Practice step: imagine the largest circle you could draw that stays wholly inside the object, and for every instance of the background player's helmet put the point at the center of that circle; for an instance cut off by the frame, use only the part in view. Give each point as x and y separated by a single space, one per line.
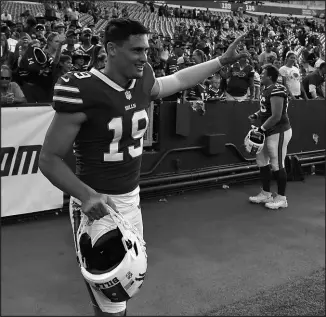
113 259
254 141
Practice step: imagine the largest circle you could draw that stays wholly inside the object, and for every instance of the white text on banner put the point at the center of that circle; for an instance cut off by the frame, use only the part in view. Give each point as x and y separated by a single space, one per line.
24 189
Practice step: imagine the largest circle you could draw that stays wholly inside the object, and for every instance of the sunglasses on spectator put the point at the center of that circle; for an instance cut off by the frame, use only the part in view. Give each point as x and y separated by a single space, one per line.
5 78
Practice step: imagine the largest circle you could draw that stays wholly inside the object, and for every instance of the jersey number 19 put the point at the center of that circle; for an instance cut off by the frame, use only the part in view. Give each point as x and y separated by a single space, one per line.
116 125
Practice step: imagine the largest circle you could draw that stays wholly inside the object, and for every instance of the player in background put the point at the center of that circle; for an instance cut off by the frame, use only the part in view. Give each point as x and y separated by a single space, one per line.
275 124
103 114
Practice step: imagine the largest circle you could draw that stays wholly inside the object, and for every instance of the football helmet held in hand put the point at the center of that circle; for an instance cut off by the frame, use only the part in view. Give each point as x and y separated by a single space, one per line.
112 256
254 141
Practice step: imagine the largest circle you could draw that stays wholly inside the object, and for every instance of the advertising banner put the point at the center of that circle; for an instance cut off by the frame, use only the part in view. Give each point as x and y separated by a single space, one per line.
24 189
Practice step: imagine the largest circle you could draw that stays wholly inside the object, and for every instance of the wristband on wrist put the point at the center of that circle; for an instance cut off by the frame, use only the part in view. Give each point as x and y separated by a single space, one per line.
262 129
219 65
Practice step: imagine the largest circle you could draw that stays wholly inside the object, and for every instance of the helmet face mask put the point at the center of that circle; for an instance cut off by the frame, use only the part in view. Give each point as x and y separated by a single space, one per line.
112 256
254 142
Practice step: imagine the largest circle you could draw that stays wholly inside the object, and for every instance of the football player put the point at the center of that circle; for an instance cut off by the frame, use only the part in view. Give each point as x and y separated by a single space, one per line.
275 124
103 115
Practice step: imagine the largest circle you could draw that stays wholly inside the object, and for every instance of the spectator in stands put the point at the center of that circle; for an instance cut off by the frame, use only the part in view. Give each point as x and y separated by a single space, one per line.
36 70
172 62
124 12
7 57
291 76
85 39
196 92
64 66
277 63
101 61
72 45
263 57
286 48
30 24
60 28
6 17
320 59
240 78
20 50
307 66
276 49
11 42
213 89
54 44
40 34
115 11
313 82
10 91
80 61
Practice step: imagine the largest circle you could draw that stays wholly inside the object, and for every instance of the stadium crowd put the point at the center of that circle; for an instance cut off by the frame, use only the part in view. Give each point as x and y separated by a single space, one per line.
37 51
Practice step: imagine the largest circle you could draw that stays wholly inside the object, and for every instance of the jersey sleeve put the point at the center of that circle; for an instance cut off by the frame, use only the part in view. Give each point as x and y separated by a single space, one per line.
148 79
67 96
279 91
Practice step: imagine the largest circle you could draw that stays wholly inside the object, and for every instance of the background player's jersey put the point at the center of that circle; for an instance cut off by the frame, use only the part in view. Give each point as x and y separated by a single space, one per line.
266 108
109 145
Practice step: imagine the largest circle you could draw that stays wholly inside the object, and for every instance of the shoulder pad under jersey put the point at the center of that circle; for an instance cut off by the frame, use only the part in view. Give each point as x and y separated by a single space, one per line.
68 96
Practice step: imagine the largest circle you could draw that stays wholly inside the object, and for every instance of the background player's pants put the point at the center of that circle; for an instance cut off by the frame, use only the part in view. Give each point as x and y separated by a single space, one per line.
128 206
275 150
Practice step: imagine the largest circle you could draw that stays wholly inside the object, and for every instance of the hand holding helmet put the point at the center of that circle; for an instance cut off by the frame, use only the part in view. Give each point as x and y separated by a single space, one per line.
95 207
255 140
112 256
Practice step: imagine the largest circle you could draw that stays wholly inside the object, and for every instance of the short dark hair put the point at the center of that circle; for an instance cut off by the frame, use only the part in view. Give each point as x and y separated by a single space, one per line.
119 30
272 72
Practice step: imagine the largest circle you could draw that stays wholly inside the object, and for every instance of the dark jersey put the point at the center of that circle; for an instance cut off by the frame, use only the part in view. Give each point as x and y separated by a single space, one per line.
239 80
312 79
274 90
88 51
109 145
196 92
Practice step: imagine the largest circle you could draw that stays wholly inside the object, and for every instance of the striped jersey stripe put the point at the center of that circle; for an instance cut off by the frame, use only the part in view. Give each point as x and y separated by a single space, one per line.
66 88
68 99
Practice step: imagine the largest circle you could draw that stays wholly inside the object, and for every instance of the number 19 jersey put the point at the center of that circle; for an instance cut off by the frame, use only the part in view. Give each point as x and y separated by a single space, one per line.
109 145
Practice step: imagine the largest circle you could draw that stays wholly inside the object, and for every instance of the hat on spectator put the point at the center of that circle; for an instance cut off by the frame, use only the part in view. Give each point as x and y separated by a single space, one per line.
40 27
87 31
91 25
80 54
70 33
24 35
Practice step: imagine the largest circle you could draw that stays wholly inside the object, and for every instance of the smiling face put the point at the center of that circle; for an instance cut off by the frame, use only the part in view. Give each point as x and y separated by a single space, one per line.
130 57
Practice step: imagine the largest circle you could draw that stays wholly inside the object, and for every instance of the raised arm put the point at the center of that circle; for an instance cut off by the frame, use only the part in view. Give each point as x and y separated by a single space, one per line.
191 76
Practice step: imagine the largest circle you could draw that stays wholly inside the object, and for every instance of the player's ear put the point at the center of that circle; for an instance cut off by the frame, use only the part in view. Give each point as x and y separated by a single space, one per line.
111 48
